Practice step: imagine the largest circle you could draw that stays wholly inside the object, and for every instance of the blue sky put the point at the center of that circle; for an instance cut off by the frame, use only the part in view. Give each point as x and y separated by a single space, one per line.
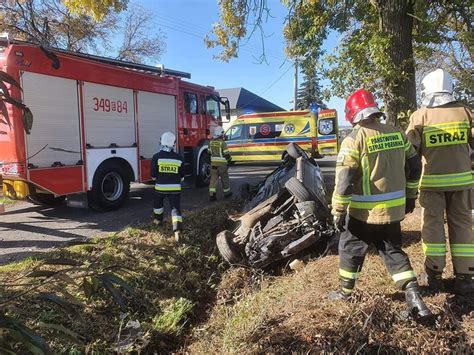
186 22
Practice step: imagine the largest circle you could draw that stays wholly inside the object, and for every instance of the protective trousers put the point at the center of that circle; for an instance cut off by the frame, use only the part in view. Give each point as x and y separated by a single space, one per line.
387 238
458 207
223 172
174 200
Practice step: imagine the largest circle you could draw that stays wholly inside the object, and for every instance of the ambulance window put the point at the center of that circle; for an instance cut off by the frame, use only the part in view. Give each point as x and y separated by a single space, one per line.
265 130
190 102
234 132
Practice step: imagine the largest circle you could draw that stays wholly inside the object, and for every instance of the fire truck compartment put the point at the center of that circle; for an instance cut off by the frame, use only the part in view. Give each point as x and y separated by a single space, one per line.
55 137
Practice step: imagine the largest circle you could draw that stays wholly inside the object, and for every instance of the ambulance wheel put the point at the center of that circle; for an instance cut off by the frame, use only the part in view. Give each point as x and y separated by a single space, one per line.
227 247
110 188
204 170
297 189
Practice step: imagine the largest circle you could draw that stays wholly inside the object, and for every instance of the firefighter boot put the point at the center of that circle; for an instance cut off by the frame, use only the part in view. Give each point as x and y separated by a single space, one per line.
435 281
228 195
212 198
177 236
463 284
157 222
417 309
339 295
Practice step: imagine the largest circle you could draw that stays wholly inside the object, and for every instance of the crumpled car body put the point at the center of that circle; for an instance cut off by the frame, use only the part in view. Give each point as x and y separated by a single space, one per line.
287 216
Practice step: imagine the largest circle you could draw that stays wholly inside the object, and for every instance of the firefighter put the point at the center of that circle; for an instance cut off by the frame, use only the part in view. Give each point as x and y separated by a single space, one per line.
371 183
442 133
220 157
167 170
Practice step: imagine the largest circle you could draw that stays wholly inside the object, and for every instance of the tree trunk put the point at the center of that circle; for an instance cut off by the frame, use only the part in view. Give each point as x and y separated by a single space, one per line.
400 90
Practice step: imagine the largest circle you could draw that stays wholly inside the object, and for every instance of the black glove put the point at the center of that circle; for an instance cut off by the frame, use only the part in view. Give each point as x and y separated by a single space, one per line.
410 205
340 222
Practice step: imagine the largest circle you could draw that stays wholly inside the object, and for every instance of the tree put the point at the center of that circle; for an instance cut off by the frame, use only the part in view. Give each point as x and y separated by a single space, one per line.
136 43
98 9
50 23
310 91
382 40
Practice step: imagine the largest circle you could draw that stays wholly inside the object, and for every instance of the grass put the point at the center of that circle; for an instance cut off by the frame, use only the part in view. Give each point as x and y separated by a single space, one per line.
172 285
292 313
186 300
18 266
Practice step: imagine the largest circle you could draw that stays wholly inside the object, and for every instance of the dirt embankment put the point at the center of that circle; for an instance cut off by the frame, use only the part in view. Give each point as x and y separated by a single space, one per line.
255 313
138 290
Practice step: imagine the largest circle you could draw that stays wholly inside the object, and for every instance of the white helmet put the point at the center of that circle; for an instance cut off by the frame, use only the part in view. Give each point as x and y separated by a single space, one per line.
218 132
168 139
437 81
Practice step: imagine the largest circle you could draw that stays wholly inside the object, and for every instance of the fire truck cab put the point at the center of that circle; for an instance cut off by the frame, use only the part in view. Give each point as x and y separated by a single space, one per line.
96 124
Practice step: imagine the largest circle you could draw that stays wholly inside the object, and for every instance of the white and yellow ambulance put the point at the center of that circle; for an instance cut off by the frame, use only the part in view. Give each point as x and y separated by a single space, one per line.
264 136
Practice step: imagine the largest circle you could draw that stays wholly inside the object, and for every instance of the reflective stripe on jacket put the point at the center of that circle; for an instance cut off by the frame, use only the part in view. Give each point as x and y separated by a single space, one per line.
370 174
167 169
219 152
442 135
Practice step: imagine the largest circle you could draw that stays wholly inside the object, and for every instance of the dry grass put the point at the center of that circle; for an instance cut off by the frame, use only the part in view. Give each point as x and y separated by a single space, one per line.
187 300
292 313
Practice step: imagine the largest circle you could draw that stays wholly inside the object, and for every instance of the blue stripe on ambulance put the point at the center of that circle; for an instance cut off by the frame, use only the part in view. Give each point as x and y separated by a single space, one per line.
323 138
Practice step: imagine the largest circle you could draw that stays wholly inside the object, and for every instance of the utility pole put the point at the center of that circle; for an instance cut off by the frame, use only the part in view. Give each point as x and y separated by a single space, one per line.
295 99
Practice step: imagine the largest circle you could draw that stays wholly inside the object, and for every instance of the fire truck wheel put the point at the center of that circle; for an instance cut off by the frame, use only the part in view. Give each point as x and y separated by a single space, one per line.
204 170
110 187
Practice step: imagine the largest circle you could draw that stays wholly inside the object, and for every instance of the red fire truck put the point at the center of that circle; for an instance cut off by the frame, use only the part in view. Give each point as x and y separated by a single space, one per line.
96 125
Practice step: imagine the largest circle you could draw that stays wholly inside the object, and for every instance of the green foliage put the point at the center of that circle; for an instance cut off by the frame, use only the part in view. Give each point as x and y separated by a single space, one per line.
381 42
98 9
173 316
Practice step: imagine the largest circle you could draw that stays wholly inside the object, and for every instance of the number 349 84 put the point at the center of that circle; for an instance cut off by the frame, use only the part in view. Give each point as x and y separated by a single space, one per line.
107 105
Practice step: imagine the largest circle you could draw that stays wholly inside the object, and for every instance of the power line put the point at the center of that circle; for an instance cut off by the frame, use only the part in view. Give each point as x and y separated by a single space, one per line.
179 28
269 87
202 30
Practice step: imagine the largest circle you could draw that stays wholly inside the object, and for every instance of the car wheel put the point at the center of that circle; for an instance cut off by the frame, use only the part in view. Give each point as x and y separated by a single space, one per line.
227 247
204 170
111 186
297 189
295 151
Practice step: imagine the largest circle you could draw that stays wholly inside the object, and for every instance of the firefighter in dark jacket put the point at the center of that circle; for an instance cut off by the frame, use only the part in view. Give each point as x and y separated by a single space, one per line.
376 189
167 170
220 157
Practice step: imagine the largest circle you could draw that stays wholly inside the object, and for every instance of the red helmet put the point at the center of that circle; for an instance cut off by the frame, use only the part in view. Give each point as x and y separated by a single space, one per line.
359 106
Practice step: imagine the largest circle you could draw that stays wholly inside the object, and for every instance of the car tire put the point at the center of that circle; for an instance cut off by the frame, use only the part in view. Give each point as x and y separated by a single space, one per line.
204 170
297 189
47 199
295 151
227 247
110 188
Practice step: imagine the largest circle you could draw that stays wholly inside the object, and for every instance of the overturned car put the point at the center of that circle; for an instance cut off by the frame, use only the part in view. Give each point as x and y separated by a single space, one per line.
287 216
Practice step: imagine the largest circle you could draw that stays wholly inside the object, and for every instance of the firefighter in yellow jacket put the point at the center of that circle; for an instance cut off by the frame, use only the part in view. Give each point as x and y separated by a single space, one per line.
442 132
376 189
220 157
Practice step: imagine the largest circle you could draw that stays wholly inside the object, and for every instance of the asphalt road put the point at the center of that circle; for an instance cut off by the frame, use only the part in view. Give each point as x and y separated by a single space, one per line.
26 229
